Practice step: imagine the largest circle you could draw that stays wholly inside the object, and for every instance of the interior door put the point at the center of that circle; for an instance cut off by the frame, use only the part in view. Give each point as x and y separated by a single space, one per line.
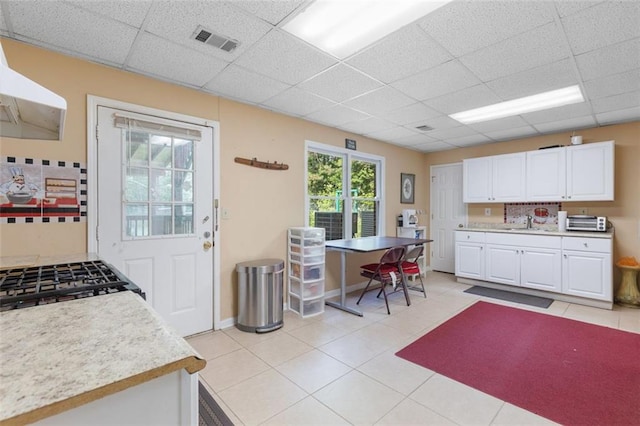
155 219
448 212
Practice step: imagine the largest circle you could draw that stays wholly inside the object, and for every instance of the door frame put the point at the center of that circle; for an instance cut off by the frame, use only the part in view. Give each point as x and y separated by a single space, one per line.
92 177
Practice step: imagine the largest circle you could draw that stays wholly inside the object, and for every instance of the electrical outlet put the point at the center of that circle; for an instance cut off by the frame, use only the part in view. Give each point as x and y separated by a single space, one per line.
225 214
583 210
487 212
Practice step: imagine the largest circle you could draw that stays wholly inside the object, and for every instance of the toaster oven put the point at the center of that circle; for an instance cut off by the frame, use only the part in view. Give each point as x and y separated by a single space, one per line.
586 223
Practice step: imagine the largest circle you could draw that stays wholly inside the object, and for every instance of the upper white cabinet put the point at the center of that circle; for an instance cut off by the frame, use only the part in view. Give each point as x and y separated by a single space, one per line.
494 179
573 173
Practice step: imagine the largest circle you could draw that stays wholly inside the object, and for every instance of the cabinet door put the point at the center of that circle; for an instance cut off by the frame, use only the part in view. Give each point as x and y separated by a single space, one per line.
546 179
587 274
502 264
590 172
509 174
541 269
476 183
470 260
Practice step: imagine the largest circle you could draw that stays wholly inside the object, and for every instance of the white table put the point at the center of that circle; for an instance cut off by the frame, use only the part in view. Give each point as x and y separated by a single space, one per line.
362 245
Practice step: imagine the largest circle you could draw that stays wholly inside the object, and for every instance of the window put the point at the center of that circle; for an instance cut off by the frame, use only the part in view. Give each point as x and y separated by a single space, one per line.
344 192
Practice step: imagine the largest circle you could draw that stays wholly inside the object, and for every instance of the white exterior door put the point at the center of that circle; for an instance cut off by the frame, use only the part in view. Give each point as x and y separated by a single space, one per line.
155 218
448 212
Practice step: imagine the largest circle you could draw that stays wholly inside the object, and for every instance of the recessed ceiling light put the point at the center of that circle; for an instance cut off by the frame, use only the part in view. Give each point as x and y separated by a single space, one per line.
342 27
541 101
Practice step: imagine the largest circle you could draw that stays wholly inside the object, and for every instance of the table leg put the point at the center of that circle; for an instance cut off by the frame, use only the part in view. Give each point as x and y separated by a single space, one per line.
343 288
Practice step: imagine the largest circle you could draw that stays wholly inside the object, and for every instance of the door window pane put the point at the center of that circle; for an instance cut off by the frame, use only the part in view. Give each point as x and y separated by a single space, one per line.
161 152
136 184
183 154
136 220
137 149
184 219
161 219
183 186
161 185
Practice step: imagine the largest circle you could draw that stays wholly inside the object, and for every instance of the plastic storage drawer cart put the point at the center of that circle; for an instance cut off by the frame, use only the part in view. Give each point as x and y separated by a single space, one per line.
260 295
306 270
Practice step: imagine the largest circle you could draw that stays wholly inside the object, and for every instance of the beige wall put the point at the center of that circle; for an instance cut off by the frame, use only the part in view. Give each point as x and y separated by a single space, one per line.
262 204
624 212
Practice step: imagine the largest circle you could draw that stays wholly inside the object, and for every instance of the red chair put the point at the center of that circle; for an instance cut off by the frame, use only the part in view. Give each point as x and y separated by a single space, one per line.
411 268
387 271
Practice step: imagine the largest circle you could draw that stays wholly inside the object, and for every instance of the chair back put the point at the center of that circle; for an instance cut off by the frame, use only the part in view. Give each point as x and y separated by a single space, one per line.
393 255
413 254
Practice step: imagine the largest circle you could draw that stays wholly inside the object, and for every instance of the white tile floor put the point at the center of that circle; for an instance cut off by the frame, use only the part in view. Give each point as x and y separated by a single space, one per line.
337 368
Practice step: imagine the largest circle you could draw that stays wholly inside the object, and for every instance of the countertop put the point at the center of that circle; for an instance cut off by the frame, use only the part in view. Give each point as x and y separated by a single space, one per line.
59 356
538 231
8 262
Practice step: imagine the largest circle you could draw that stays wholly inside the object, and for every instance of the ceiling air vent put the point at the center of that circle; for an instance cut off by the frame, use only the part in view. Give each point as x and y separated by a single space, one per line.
424 128
216 40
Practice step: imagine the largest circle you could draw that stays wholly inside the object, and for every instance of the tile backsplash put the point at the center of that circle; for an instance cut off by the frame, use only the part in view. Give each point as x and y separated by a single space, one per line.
542 213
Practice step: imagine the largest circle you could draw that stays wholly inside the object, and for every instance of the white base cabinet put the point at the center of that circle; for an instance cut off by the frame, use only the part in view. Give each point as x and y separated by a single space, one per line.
573 266
587 268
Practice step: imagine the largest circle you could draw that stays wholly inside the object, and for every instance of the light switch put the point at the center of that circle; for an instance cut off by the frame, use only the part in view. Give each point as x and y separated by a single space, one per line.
487 212
225 214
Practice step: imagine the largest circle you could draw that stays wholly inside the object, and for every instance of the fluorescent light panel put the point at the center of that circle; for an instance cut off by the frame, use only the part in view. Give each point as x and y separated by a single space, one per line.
541 101
343 27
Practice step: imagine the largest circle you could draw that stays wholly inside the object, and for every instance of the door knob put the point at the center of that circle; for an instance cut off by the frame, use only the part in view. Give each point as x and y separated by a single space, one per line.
207 245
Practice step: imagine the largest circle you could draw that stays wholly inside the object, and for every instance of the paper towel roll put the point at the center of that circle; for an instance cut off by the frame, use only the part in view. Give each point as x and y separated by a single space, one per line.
562 221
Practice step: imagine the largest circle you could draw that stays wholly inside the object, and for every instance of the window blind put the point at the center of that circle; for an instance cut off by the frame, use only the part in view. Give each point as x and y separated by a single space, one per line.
160 127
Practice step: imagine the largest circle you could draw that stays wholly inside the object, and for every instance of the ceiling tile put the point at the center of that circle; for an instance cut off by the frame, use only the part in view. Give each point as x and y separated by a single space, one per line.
416 139
368 125
469 140
446 78
549 115
60 24
380 101
452 132
297 102
176 63
285 58
616 102
628 81
517 133
440 122
271 11
465 99
536 80
336 116
565 125
609 60
566 8
392 134
602 25
433 147
237 83
540 46
132 13
340 83
403 53
612 117
499 124
175 22
411 114
465 26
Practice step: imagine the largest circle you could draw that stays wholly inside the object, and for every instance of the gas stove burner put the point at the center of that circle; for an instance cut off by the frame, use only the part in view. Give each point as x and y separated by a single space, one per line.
41 285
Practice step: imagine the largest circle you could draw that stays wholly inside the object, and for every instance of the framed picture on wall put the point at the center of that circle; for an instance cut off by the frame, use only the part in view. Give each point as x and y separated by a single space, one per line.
407 188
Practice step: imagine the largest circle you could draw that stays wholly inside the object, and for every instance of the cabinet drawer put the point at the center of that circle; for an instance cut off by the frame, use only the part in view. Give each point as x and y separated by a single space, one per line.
307 260
307 273
471 237
602 245
524 240
306 290
308 233
307 251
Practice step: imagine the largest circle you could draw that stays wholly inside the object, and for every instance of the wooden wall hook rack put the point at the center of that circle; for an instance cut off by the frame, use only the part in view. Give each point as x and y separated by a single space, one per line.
261 164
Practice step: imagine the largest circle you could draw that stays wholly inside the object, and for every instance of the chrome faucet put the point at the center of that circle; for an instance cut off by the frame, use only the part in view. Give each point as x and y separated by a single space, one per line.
529 225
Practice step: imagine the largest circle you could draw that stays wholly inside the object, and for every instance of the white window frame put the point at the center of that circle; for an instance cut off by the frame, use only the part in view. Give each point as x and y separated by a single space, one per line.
346 198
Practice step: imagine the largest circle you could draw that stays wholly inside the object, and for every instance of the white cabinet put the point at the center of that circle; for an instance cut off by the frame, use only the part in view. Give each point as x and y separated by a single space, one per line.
573 173
415 232
306 270
498 178
524 260
470 259
587 267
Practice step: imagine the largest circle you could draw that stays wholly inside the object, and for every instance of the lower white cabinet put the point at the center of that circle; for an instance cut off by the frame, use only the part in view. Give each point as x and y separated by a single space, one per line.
587 268
524 260
575 266
470 255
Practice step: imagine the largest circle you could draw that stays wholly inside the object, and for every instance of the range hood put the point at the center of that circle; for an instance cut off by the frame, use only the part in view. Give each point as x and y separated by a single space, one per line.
28 110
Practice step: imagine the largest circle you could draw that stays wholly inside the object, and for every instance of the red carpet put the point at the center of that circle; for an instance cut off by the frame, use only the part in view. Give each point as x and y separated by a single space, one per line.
567 371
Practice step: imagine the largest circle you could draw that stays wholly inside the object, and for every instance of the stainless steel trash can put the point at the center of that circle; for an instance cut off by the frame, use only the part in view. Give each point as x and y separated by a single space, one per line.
260 302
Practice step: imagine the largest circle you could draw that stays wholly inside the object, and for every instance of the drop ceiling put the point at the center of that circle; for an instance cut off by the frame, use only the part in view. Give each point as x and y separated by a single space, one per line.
466 54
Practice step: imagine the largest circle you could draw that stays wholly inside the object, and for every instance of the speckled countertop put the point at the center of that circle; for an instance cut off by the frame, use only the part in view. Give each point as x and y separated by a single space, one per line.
59 356
514 229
